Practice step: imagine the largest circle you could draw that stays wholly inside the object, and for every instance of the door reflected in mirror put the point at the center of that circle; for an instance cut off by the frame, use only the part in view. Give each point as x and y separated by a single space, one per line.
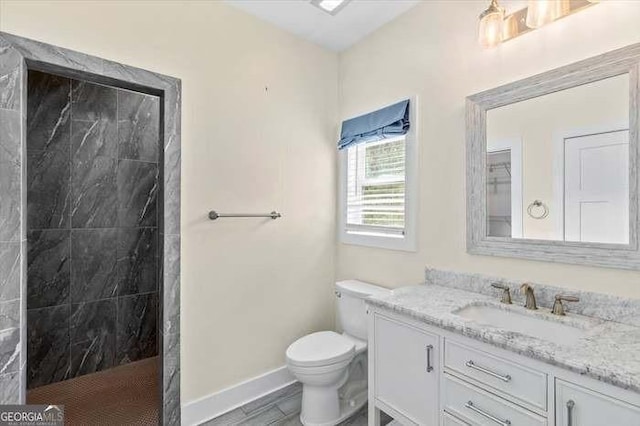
557 166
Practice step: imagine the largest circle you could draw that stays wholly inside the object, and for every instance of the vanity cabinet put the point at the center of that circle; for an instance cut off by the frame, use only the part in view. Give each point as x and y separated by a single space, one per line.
423 375
407 369
579 406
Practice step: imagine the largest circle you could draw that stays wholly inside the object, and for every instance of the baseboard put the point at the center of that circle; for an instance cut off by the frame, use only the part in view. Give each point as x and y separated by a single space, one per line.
216 404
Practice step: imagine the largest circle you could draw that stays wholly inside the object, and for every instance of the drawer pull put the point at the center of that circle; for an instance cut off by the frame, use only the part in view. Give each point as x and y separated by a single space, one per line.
504 378
429 366
484 414
570 405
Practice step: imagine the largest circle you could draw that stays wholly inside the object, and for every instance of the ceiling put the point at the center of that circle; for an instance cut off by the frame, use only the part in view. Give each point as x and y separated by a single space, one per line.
351 24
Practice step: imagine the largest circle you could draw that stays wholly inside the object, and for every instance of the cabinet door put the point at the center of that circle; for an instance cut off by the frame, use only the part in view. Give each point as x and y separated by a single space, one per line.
407 367
578 406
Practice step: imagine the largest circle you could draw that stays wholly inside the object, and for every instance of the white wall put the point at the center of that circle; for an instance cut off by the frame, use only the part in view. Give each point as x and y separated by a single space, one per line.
432 51
249 287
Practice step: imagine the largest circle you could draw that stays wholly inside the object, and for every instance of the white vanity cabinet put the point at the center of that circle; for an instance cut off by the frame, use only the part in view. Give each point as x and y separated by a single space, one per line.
423 375
407 369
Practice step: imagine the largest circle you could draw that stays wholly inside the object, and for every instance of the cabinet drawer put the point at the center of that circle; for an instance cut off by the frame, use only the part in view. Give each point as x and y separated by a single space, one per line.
478 407
578 406
527 386
450 420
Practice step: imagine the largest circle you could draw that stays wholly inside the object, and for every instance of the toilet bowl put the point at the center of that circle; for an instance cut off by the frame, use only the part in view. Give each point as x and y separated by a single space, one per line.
325 362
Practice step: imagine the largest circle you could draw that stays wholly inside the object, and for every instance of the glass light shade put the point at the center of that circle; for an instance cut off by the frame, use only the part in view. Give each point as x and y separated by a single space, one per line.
542 12
490 27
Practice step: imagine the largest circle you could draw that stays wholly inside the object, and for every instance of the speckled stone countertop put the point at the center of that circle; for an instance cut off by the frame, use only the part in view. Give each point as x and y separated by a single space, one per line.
609 350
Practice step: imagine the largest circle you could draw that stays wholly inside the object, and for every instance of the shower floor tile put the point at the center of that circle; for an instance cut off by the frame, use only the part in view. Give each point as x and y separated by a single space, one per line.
126 394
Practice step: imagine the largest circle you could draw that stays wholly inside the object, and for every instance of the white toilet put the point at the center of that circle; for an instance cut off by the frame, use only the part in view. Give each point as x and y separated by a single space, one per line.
332 367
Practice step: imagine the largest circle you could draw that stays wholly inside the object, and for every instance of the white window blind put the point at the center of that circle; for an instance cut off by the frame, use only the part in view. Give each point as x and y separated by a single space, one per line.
376 178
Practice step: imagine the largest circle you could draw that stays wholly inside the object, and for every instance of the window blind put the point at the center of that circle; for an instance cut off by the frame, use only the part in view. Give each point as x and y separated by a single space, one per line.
388 122
376 187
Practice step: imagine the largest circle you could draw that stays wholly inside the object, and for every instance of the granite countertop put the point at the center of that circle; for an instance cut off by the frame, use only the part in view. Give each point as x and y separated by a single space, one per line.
609 351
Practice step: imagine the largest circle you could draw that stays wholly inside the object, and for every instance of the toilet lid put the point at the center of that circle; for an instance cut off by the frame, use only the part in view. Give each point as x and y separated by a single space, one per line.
321 348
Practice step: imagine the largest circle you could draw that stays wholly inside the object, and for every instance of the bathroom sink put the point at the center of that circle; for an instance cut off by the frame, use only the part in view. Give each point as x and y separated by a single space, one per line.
532 324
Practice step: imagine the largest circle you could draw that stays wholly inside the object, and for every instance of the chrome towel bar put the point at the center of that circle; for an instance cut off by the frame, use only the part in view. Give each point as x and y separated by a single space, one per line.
213 215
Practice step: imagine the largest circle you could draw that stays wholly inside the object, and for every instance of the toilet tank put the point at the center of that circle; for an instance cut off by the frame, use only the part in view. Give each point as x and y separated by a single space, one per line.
352 311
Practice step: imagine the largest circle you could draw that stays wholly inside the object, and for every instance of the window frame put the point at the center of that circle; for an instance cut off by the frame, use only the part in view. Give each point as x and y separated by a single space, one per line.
390 241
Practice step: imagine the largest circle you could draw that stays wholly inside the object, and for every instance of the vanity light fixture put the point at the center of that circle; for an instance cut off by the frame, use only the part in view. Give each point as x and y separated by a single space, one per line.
537 14
490 27
332 7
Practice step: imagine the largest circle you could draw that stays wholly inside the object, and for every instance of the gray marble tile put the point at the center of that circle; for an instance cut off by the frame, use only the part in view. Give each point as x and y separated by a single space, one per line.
48 176
10 143
92 355
137 327
90 139
48 345
10 388
138 126
10 210
10 67
94 319
92 102
94 273
9 271
137 193
9 350
265 417
94 192
267 400
137 260
291 404
289 420
171 283
171 379
172 192
10 314
49 267
48 111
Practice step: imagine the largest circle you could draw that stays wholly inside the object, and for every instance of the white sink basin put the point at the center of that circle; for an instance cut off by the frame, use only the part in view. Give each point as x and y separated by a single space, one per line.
534 325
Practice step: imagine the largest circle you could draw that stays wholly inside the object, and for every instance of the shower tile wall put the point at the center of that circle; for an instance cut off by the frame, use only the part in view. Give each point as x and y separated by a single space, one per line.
92 227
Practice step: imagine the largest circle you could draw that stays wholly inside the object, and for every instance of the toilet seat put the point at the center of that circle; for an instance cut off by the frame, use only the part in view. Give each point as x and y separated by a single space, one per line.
320 349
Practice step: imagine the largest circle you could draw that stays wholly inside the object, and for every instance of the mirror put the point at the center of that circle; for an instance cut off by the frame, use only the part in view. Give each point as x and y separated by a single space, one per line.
557 165
552 164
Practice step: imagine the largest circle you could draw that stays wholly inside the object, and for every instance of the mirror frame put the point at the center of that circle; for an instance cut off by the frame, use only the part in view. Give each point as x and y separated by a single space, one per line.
611 64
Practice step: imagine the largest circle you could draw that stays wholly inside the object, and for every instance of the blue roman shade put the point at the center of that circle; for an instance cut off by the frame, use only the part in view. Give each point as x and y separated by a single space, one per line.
384 123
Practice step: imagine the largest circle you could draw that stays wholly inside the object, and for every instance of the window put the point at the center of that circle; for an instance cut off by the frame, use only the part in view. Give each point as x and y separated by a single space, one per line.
378 186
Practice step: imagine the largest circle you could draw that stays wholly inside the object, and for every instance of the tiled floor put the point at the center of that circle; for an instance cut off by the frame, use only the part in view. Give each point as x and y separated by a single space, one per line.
281 408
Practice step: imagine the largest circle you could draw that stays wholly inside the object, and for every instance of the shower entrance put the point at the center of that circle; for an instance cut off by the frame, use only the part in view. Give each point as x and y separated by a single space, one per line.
89 235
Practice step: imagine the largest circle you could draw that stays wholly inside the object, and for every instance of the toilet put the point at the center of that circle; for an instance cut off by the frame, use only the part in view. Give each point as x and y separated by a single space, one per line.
332 367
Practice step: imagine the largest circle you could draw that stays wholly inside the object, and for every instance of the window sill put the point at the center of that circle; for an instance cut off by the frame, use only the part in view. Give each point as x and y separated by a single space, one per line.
378 240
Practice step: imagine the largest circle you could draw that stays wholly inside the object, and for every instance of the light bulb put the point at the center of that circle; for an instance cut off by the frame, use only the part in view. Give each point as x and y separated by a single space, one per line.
490 26
542 12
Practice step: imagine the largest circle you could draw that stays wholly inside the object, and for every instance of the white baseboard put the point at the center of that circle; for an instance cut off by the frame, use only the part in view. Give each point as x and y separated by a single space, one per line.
211 406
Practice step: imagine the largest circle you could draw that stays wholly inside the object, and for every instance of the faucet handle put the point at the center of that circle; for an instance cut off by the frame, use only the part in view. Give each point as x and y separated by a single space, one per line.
506 294
558 307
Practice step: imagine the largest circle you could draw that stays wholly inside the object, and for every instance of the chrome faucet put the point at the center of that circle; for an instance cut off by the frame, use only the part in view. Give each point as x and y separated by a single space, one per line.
558 307
530 301
506 294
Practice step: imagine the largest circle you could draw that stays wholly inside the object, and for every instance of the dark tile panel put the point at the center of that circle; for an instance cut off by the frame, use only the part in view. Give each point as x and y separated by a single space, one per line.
94 193
93 320
49 267
91 102
48 345
93 267
92 355
137 327
137 193
138 126
9 271
137 260
48 200
90 139
48 111
10 175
